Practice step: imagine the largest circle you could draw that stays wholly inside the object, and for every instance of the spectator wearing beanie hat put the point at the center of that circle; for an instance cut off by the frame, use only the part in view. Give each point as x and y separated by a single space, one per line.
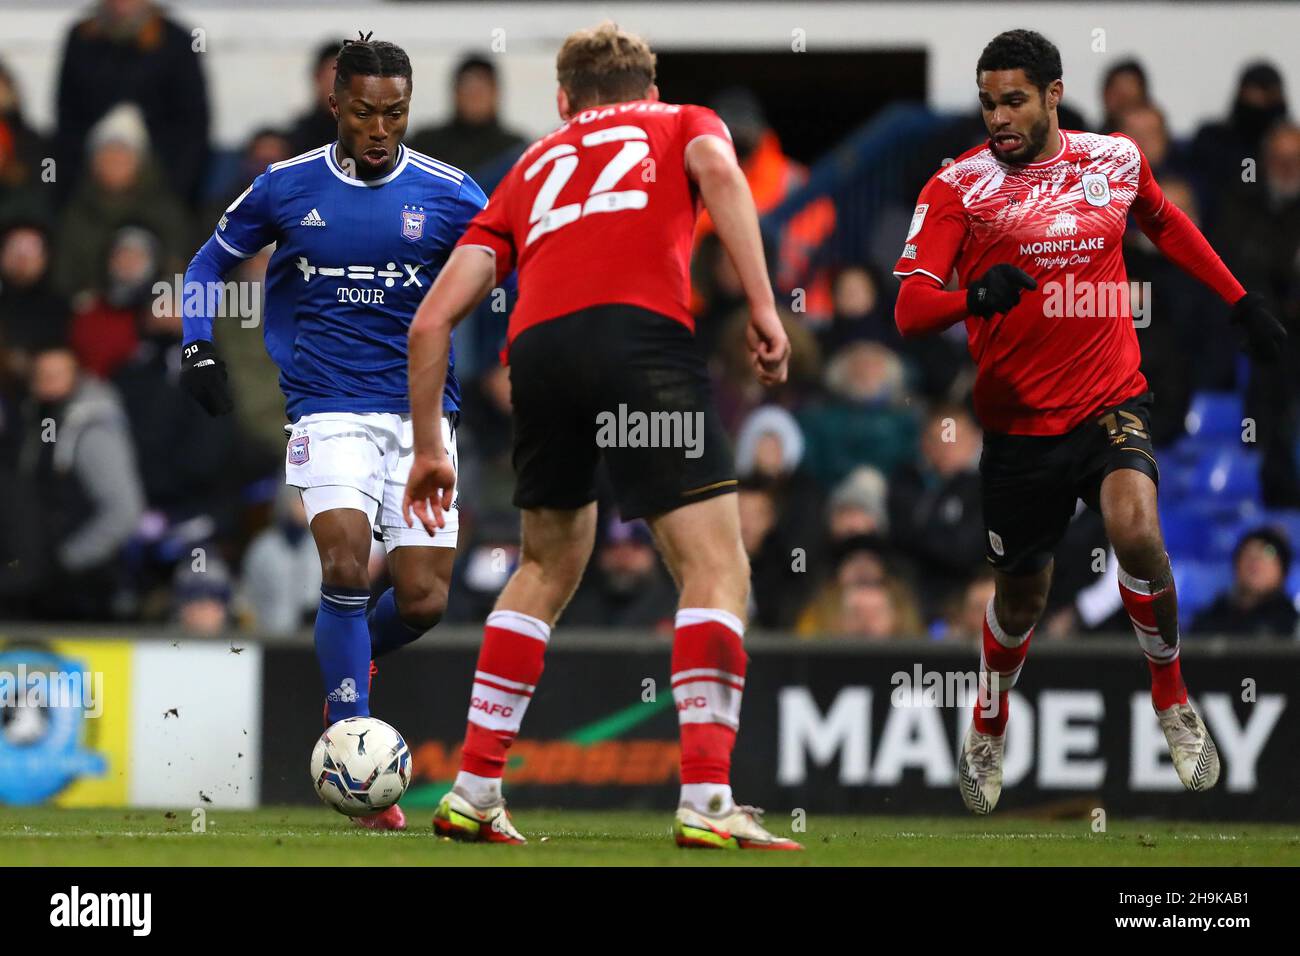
122 188
1257 604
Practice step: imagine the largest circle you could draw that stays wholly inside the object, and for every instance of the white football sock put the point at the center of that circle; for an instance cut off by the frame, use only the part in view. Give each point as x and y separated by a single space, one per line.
712 798
480 791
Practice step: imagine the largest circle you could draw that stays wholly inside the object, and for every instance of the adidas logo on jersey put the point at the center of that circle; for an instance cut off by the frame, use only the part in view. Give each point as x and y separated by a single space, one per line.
312 219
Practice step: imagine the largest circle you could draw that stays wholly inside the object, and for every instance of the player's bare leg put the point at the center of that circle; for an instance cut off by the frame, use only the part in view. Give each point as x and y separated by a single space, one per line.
342 538
418 599
1146 585
554 548
419 565
1018 602
701 545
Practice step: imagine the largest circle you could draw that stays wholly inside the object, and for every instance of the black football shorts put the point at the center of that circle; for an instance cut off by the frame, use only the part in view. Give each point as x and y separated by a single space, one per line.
621 383
1031 484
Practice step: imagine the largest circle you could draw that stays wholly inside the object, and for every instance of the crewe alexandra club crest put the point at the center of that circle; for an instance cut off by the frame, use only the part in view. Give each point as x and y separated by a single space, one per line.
412 223
1096 189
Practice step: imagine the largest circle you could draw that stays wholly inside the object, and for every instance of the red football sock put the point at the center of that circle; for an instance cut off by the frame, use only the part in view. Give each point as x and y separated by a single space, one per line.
1139 599
1003 656
1167 687
509 666
708 676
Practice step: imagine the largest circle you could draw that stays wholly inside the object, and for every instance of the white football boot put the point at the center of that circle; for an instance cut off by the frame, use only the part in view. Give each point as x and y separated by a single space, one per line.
980 770
740 828
459 819
1195 757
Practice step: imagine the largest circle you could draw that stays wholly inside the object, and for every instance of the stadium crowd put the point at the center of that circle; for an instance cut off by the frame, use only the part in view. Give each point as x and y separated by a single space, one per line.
859 492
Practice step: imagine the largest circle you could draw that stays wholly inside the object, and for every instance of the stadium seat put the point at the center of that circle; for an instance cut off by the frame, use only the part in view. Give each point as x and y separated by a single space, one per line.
1206 529
1229 474
1182 531
1177 472
1215 415
1199 583
1223 474
1293 585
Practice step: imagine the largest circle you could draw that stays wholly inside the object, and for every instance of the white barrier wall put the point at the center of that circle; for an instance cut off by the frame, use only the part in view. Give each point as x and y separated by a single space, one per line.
258 51
114 721
196 725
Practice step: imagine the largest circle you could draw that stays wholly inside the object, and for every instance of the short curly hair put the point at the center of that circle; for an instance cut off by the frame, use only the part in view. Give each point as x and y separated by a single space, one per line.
604 64
1023 50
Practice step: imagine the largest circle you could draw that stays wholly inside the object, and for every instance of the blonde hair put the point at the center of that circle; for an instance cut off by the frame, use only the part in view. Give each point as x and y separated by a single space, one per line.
603 64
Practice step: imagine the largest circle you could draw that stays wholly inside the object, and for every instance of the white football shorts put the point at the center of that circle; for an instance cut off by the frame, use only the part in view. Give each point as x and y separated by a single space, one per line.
346 460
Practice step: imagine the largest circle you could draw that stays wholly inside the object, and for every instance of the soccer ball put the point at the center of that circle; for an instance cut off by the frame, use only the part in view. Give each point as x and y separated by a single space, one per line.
360 766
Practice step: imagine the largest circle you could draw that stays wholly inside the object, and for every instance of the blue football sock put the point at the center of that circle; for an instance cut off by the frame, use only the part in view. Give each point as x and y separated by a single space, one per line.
388 631
343 651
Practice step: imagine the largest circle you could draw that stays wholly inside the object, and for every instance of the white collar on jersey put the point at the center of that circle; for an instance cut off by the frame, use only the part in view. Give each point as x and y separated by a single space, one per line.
337 170
1065 144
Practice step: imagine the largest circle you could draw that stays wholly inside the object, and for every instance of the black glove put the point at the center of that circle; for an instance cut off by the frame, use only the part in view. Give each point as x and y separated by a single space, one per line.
998 290
1265 336
203 375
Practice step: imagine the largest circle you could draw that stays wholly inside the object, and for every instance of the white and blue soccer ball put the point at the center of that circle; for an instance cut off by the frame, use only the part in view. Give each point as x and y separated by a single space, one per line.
360 766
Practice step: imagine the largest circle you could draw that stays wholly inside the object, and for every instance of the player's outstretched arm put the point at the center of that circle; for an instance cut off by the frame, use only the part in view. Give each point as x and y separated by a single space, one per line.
1265 335
1179 241
461 285
247 225
711 164
203 374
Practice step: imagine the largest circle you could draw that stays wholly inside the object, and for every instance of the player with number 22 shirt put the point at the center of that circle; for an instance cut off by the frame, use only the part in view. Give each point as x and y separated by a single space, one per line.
598 218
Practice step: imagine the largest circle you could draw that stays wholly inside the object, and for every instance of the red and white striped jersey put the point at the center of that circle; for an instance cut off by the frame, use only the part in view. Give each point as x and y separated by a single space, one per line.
1068 350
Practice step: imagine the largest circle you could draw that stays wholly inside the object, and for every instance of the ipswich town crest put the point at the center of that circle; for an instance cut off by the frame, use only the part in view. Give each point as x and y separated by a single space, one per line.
412 224
299 450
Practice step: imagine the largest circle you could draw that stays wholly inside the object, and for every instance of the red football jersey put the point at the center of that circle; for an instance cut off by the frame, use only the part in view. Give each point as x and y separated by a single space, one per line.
600 212
1068 350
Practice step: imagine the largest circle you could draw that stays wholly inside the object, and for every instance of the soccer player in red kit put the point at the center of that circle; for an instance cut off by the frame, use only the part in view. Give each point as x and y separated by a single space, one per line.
1031 223
598 218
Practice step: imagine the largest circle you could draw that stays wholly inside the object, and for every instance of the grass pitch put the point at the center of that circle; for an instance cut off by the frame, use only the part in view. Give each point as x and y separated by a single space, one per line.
308 836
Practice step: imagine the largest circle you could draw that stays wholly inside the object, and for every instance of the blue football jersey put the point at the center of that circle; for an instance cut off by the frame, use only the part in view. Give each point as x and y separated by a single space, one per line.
353 259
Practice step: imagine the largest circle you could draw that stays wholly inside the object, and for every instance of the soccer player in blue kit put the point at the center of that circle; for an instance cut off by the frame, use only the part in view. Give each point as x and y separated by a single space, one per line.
362 227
